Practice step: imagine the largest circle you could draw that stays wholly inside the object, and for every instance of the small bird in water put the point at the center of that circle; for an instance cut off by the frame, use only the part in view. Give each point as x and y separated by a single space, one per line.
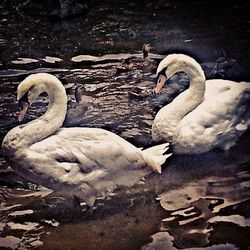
139 63
77 111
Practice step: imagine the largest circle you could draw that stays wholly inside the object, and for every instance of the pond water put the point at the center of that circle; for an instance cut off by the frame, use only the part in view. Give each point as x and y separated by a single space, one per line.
198 202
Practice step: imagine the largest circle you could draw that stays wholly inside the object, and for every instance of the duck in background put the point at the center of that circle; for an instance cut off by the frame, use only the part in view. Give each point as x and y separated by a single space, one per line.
147 62
224 67
77 111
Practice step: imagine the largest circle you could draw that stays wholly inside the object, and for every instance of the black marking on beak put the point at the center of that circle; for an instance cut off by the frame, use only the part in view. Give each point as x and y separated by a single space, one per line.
162 72
24 99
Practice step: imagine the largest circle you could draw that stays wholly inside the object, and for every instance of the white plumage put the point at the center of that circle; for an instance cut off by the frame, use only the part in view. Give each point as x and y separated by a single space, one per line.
85 162
209 114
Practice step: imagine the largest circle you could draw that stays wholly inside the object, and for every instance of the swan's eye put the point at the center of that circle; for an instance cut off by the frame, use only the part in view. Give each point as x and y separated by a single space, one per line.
23 99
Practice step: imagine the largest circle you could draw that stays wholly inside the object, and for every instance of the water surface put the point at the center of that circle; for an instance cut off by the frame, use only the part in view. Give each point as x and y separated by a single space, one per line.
198 201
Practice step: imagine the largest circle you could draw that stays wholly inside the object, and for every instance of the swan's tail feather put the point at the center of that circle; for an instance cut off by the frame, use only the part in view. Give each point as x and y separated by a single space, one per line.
155 157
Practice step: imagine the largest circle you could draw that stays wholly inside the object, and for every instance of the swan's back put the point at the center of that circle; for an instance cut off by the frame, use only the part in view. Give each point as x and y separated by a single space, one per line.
218 86
221 118
100 159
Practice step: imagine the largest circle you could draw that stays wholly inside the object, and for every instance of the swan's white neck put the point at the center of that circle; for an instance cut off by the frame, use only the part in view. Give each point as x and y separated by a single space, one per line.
25 135
190 98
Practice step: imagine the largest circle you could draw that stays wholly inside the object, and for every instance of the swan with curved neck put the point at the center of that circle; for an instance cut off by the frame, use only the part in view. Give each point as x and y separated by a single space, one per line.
209 114
85 162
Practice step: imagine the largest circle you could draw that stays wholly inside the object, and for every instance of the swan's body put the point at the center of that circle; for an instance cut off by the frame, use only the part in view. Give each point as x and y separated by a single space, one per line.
85 162
210 114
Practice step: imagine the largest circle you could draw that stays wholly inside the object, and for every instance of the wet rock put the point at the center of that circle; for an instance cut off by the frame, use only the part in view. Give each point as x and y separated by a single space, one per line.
112 57
36 243
104 58
236 219
10 242
27 226
21 60
161 240
52 59
21 213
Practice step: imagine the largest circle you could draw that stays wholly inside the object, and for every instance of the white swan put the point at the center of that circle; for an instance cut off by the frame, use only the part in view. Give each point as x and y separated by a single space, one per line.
209 114
84 162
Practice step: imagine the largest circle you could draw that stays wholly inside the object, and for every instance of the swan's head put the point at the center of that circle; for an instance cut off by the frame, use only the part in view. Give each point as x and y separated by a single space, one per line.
30 88
170 65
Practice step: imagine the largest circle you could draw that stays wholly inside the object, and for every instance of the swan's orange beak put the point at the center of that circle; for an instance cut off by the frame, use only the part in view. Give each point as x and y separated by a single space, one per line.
23 109
160 83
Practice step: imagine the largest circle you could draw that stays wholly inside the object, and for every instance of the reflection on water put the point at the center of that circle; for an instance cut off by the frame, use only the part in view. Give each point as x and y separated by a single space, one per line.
198 201
190 205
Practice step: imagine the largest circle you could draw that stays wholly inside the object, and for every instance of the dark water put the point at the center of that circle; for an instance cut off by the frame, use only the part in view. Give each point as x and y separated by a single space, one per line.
198 201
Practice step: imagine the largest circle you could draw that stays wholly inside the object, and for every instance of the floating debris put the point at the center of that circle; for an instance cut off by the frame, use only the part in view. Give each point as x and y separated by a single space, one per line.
168 219
51 59
20 213
236 219
53 223
27 226
36 243
108 57
4 208
10 242
161 240
112 57
22 60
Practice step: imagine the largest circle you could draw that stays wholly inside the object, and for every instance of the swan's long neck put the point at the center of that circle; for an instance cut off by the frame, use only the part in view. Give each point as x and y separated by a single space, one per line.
25 135
190 98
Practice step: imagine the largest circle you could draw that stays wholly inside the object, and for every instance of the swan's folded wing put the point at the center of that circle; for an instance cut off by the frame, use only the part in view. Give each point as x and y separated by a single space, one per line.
95 157
230 106
222 114
216 87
